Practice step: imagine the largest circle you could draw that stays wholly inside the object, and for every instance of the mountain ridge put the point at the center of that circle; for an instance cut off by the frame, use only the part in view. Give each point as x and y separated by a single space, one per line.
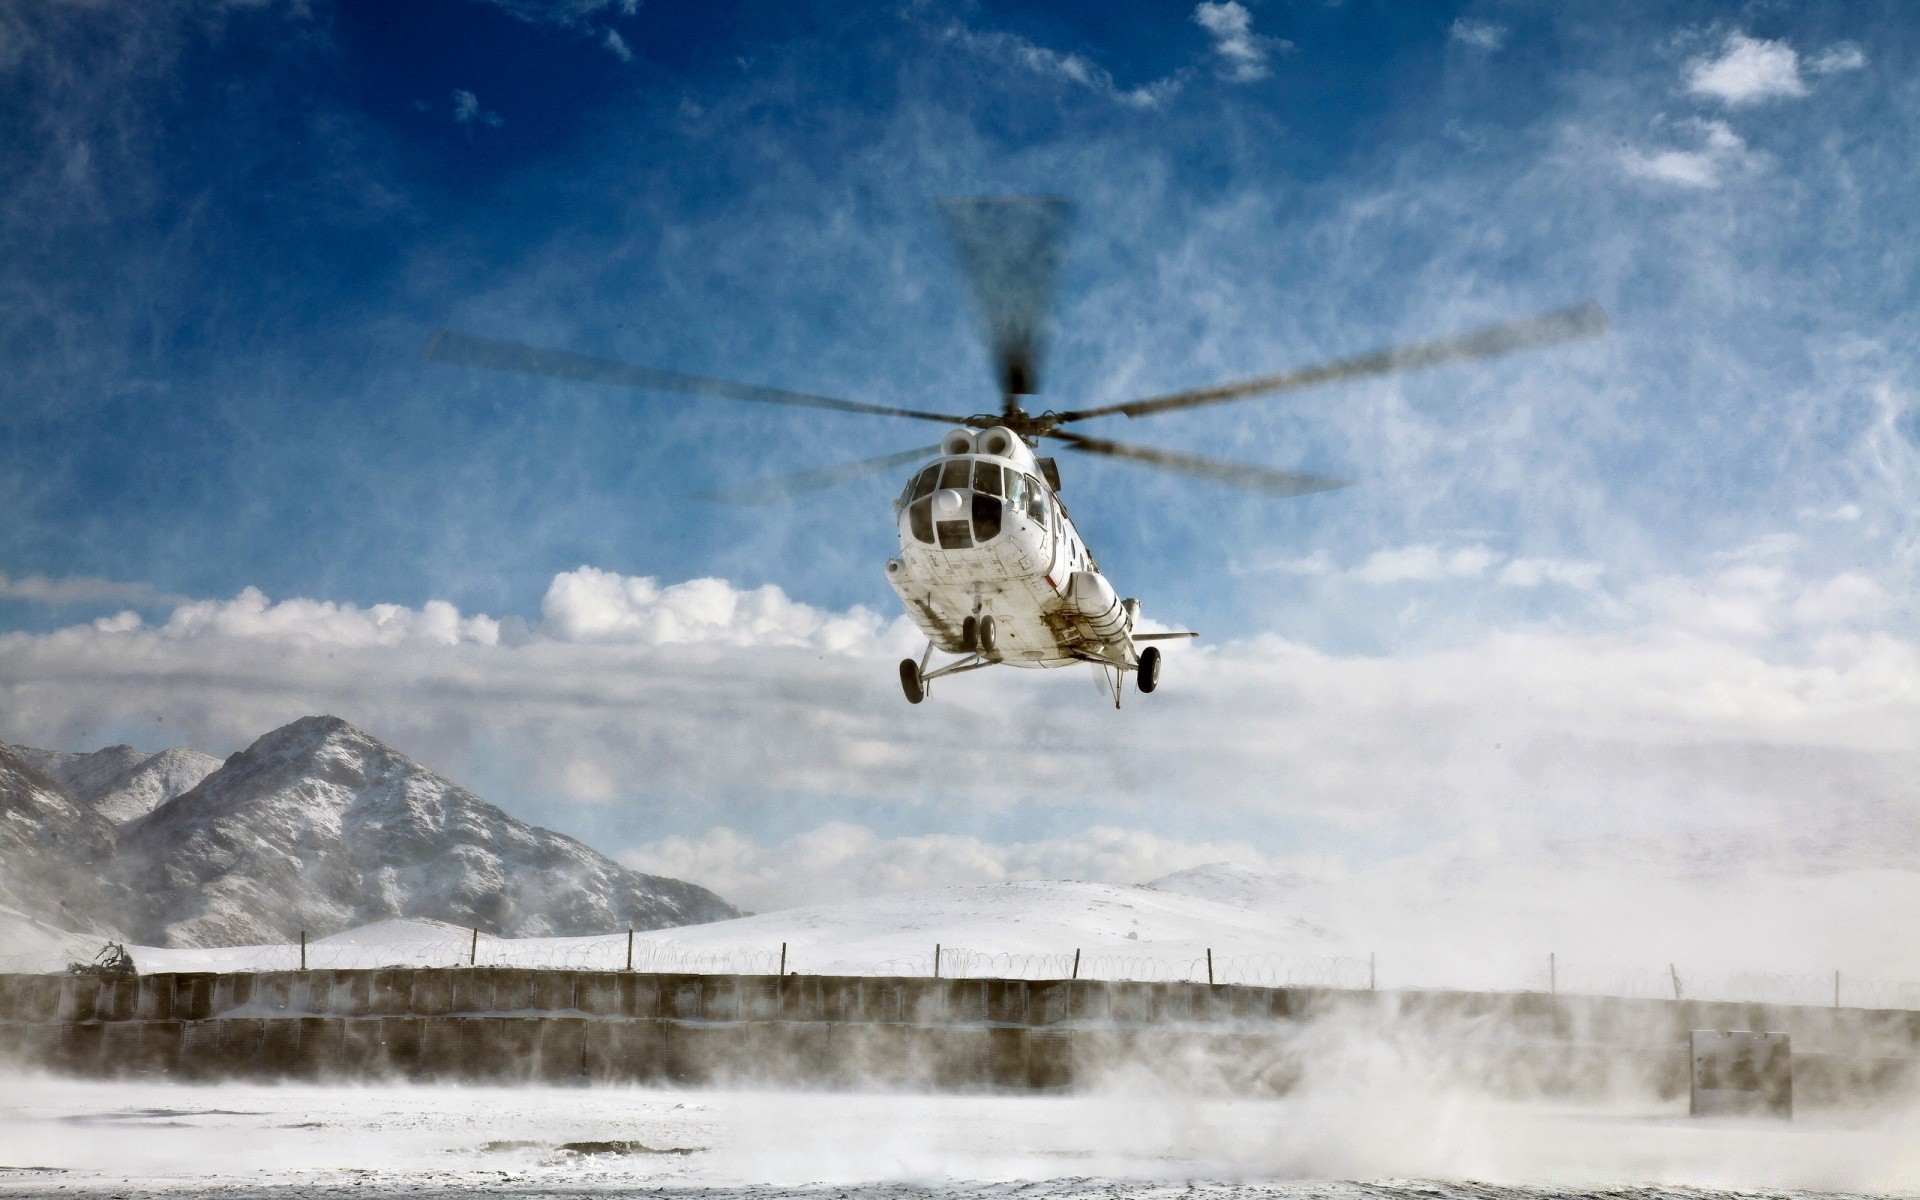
315 827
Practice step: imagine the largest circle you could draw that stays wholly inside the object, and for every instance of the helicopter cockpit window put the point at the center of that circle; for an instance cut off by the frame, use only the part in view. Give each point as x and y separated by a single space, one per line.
954 535
986 478
986 517
920 518
922 485
1036 501
956 473
1016 492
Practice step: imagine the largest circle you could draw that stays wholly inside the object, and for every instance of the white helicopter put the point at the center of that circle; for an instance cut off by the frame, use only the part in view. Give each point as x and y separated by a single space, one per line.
991 567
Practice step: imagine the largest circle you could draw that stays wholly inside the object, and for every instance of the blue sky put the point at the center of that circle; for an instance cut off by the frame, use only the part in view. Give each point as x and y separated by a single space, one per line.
230 227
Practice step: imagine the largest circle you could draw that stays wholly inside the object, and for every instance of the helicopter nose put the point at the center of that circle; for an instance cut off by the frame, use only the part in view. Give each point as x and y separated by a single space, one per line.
949 502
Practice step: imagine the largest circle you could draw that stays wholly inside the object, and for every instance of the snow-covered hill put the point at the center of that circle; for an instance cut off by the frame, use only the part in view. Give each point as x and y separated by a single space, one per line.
122 783
55 854
320 827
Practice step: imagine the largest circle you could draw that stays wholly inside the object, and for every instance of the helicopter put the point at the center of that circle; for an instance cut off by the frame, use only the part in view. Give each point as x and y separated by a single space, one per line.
991 567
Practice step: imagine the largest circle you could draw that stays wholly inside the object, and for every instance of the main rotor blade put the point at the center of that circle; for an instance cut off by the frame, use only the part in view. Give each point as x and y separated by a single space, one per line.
1566 325
465 350
1244 475
786 487
1009 248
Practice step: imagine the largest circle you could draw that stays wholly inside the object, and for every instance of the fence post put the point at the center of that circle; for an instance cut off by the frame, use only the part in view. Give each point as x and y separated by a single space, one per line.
783 958
1076 962
303 966
1553 976
1209 966
473 947
1675 972
936 960
629 947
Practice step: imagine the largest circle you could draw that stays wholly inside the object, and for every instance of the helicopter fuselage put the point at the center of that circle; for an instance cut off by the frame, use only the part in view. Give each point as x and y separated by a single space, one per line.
983 534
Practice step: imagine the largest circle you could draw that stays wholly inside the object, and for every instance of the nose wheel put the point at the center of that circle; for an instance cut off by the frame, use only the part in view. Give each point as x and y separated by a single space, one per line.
916 679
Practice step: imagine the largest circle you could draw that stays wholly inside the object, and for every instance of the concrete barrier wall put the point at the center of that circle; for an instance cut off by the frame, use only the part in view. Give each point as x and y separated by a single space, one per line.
503 1024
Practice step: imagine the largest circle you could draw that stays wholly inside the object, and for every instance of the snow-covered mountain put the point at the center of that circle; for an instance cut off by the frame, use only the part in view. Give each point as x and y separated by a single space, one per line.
56 855
320 827
122 783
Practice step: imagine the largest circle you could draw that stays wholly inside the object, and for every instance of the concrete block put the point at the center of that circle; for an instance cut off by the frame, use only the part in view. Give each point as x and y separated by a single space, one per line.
719 998
200 1049
759 997
967 1002
598 994
554 991
512 990
1007 1001
432 993
318 1047
840 999
154 998
279 1056
562 1050
1049 1059
883 1001
35 997
924 1001
231 991
390 994
519 1047
639 996
78 994
1736 1073
680 997
473 990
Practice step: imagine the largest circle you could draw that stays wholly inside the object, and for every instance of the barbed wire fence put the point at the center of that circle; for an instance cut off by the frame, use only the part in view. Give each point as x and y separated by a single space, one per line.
621 951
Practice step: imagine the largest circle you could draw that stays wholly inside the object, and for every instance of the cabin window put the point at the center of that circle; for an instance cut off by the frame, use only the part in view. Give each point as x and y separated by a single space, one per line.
920 518
1036 501
1016 492
955 473
955 535
986 518
986 478
924 482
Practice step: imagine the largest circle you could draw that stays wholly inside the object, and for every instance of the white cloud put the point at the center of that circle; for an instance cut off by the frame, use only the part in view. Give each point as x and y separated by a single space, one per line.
841 861
1748 690
1533 572
1479 34
79 589
614 42
1721 153
1841 56
467 111
250 616
1424 564
1747 70
1075 69
590 605
1242 53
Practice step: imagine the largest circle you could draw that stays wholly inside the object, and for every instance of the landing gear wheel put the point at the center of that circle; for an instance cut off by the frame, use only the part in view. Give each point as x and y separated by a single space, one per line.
986 636
969 635
910 681
1149 670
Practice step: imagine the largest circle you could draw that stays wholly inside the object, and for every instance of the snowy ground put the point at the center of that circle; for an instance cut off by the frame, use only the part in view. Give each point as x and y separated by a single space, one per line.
1737 938
119 1139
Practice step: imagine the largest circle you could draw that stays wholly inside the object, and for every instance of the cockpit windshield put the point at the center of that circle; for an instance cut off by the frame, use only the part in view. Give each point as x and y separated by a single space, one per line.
956 473
982 485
